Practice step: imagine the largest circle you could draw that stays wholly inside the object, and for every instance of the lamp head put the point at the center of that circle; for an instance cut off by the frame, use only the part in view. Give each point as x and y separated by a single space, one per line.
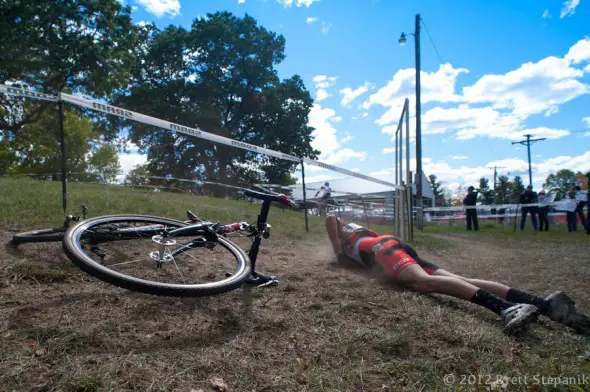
402 39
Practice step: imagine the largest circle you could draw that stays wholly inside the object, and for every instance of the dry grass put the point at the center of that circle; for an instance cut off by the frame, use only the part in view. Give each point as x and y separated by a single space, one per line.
324 328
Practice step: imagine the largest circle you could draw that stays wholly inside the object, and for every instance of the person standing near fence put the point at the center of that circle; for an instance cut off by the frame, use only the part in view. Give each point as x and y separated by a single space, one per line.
570 211
528 197
543 213
471 213
580 207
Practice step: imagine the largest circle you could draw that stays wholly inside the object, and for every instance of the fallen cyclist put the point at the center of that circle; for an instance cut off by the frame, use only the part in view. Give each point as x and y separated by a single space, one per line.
401 263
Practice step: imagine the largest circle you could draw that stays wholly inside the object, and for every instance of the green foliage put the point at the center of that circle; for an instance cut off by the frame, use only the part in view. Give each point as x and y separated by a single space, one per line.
516 188
560 183
137 176
437 190
36 150
485 194
220 76
104 163
73 45
503 190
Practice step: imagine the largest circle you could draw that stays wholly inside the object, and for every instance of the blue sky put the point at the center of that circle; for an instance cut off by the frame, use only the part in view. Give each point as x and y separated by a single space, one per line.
509 68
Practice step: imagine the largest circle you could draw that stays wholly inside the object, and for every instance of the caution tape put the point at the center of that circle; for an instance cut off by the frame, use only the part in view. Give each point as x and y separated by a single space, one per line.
196 132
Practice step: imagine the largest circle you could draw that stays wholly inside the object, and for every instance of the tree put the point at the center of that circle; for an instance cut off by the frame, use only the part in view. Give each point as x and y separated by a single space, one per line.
516 188
437 190
74 45
37 150
485 194
104 163
138 176
560 183
220 77
503 190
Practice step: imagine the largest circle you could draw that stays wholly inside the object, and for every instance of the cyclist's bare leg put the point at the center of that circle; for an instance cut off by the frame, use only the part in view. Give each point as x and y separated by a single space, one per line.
499 289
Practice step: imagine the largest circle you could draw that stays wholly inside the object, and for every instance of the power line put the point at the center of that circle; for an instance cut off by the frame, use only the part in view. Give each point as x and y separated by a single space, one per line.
432 42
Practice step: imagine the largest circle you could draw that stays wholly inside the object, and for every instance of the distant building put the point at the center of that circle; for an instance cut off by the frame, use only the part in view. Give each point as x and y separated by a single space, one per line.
347 187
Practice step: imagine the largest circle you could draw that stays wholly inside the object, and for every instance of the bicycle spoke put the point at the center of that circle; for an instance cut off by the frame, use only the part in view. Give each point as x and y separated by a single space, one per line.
178 269
123 263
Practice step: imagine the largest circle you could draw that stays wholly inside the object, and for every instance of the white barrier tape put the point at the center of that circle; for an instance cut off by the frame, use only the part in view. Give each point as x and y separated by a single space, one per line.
109 109
350 173
8 90
484 217
496 206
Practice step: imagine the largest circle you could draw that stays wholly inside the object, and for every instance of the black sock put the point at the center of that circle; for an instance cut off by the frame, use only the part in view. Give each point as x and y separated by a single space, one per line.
517 296
490 301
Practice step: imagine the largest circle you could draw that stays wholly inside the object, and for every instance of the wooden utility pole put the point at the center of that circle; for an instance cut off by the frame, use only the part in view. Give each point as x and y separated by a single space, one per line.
528 143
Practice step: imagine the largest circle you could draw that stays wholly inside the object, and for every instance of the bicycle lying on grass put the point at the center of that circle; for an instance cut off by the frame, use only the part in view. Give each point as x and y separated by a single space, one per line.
158 249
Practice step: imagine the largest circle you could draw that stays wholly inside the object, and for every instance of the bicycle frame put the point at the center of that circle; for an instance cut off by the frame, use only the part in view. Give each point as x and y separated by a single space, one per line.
204 229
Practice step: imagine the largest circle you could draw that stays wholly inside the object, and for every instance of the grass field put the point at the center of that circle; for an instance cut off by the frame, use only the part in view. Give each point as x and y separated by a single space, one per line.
324 328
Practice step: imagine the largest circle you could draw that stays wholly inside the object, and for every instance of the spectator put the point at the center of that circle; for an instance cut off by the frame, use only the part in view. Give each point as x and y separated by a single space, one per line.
471 213
572 219
580 206
543 213
528 197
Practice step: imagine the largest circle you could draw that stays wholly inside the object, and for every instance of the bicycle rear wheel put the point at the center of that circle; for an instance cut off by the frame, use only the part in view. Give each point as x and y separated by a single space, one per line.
43 235
124 250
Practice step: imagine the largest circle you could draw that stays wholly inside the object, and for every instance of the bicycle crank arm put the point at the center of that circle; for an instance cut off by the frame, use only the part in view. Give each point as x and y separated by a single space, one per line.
260 280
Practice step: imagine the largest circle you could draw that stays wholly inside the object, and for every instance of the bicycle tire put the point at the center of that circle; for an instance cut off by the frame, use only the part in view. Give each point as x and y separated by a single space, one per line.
75 252
42 235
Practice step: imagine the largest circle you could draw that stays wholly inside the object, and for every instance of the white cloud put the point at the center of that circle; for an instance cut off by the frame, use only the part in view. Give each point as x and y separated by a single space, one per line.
587 69
311 19
321 95
579 52
298 3
325 139
344 154
568 8
337 119
349 95
509 99
532 88
459 157
161 7
326 27
587 121
241 1
546 14
324 81
388 150
129 160
436 86
346 139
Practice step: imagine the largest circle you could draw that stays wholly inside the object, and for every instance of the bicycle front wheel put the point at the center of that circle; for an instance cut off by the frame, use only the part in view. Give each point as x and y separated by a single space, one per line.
136 253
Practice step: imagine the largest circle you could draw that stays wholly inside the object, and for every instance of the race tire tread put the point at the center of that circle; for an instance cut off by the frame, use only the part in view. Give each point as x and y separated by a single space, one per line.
41 235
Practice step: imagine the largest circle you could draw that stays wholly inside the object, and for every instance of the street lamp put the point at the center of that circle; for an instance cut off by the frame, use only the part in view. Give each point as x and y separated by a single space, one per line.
402 41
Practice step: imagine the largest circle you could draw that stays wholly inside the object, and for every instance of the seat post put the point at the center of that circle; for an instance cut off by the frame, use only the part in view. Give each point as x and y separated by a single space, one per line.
260 226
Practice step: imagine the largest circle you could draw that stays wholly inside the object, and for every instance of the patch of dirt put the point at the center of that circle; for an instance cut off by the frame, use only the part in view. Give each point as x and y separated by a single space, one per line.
323 328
